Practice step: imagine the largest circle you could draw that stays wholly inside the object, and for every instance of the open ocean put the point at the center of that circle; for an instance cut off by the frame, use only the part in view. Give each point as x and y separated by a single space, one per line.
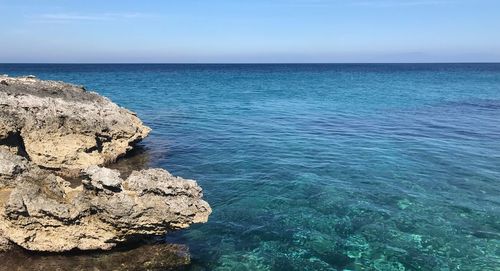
322 167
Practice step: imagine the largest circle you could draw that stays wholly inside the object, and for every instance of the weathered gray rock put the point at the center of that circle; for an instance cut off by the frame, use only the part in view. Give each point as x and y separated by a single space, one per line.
63 126
11 166
43 213
103 178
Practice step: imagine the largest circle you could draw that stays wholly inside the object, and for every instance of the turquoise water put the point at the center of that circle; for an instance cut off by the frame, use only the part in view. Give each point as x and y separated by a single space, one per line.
323 167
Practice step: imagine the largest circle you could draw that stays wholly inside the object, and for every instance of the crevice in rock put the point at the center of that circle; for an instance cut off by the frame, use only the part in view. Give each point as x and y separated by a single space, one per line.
101 139
91 150
15 140
53 169
113 189
99 142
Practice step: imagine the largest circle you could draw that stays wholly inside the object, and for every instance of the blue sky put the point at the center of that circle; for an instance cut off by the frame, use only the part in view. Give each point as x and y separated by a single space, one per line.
249 31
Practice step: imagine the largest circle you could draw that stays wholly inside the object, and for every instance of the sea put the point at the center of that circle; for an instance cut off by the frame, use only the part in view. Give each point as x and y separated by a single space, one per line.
321 166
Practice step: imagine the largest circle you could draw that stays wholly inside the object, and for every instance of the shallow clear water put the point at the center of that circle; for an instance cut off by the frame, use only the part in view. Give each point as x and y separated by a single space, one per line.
323 167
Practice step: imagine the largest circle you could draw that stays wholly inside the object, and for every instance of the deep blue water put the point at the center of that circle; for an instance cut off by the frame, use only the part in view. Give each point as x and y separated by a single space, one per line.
323 167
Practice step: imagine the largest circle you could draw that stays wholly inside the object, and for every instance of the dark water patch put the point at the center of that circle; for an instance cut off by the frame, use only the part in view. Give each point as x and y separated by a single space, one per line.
137 159
144 257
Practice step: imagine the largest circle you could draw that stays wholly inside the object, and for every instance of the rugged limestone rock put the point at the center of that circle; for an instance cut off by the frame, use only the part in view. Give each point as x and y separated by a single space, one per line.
63 126
51 131
43 213
104 178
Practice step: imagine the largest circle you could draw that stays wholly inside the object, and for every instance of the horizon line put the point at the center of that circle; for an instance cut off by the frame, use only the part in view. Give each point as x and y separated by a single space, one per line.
241 63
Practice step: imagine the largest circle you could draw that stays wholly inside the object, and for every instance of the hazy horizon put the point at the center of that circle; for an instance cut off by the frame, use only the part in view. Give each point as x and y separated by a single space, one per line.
260 32
243 63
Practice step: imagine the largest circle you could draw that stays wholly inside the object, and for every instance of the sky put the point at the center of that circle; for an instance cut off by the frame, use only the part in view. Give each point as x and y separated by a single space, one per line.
249 31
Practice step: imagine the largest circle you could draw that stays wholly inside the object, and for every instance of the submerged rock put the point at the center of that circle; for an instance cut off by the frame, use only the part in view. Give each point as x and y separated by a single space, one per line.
63 126
147 257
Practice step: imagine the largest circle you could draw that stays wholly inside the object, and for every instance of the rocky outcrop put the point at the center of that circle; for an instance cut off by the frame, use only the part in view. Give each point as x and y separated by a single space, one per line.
43 213
62 126
50 129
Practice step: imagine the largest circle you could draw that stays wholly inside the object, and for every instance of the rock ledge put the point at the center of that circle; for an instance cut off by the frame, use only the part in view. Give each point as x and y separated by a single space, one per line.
62 126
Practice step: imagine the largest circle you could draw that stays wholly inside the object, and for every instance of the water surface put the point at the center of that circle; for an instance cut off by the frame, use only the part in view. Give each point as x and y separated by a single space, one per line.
322 167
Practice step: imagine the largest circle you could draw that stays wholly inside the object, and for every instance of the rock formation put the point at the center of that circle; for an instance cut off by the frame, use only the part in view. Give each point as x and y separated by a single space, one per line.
43 213
49 130
62 126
